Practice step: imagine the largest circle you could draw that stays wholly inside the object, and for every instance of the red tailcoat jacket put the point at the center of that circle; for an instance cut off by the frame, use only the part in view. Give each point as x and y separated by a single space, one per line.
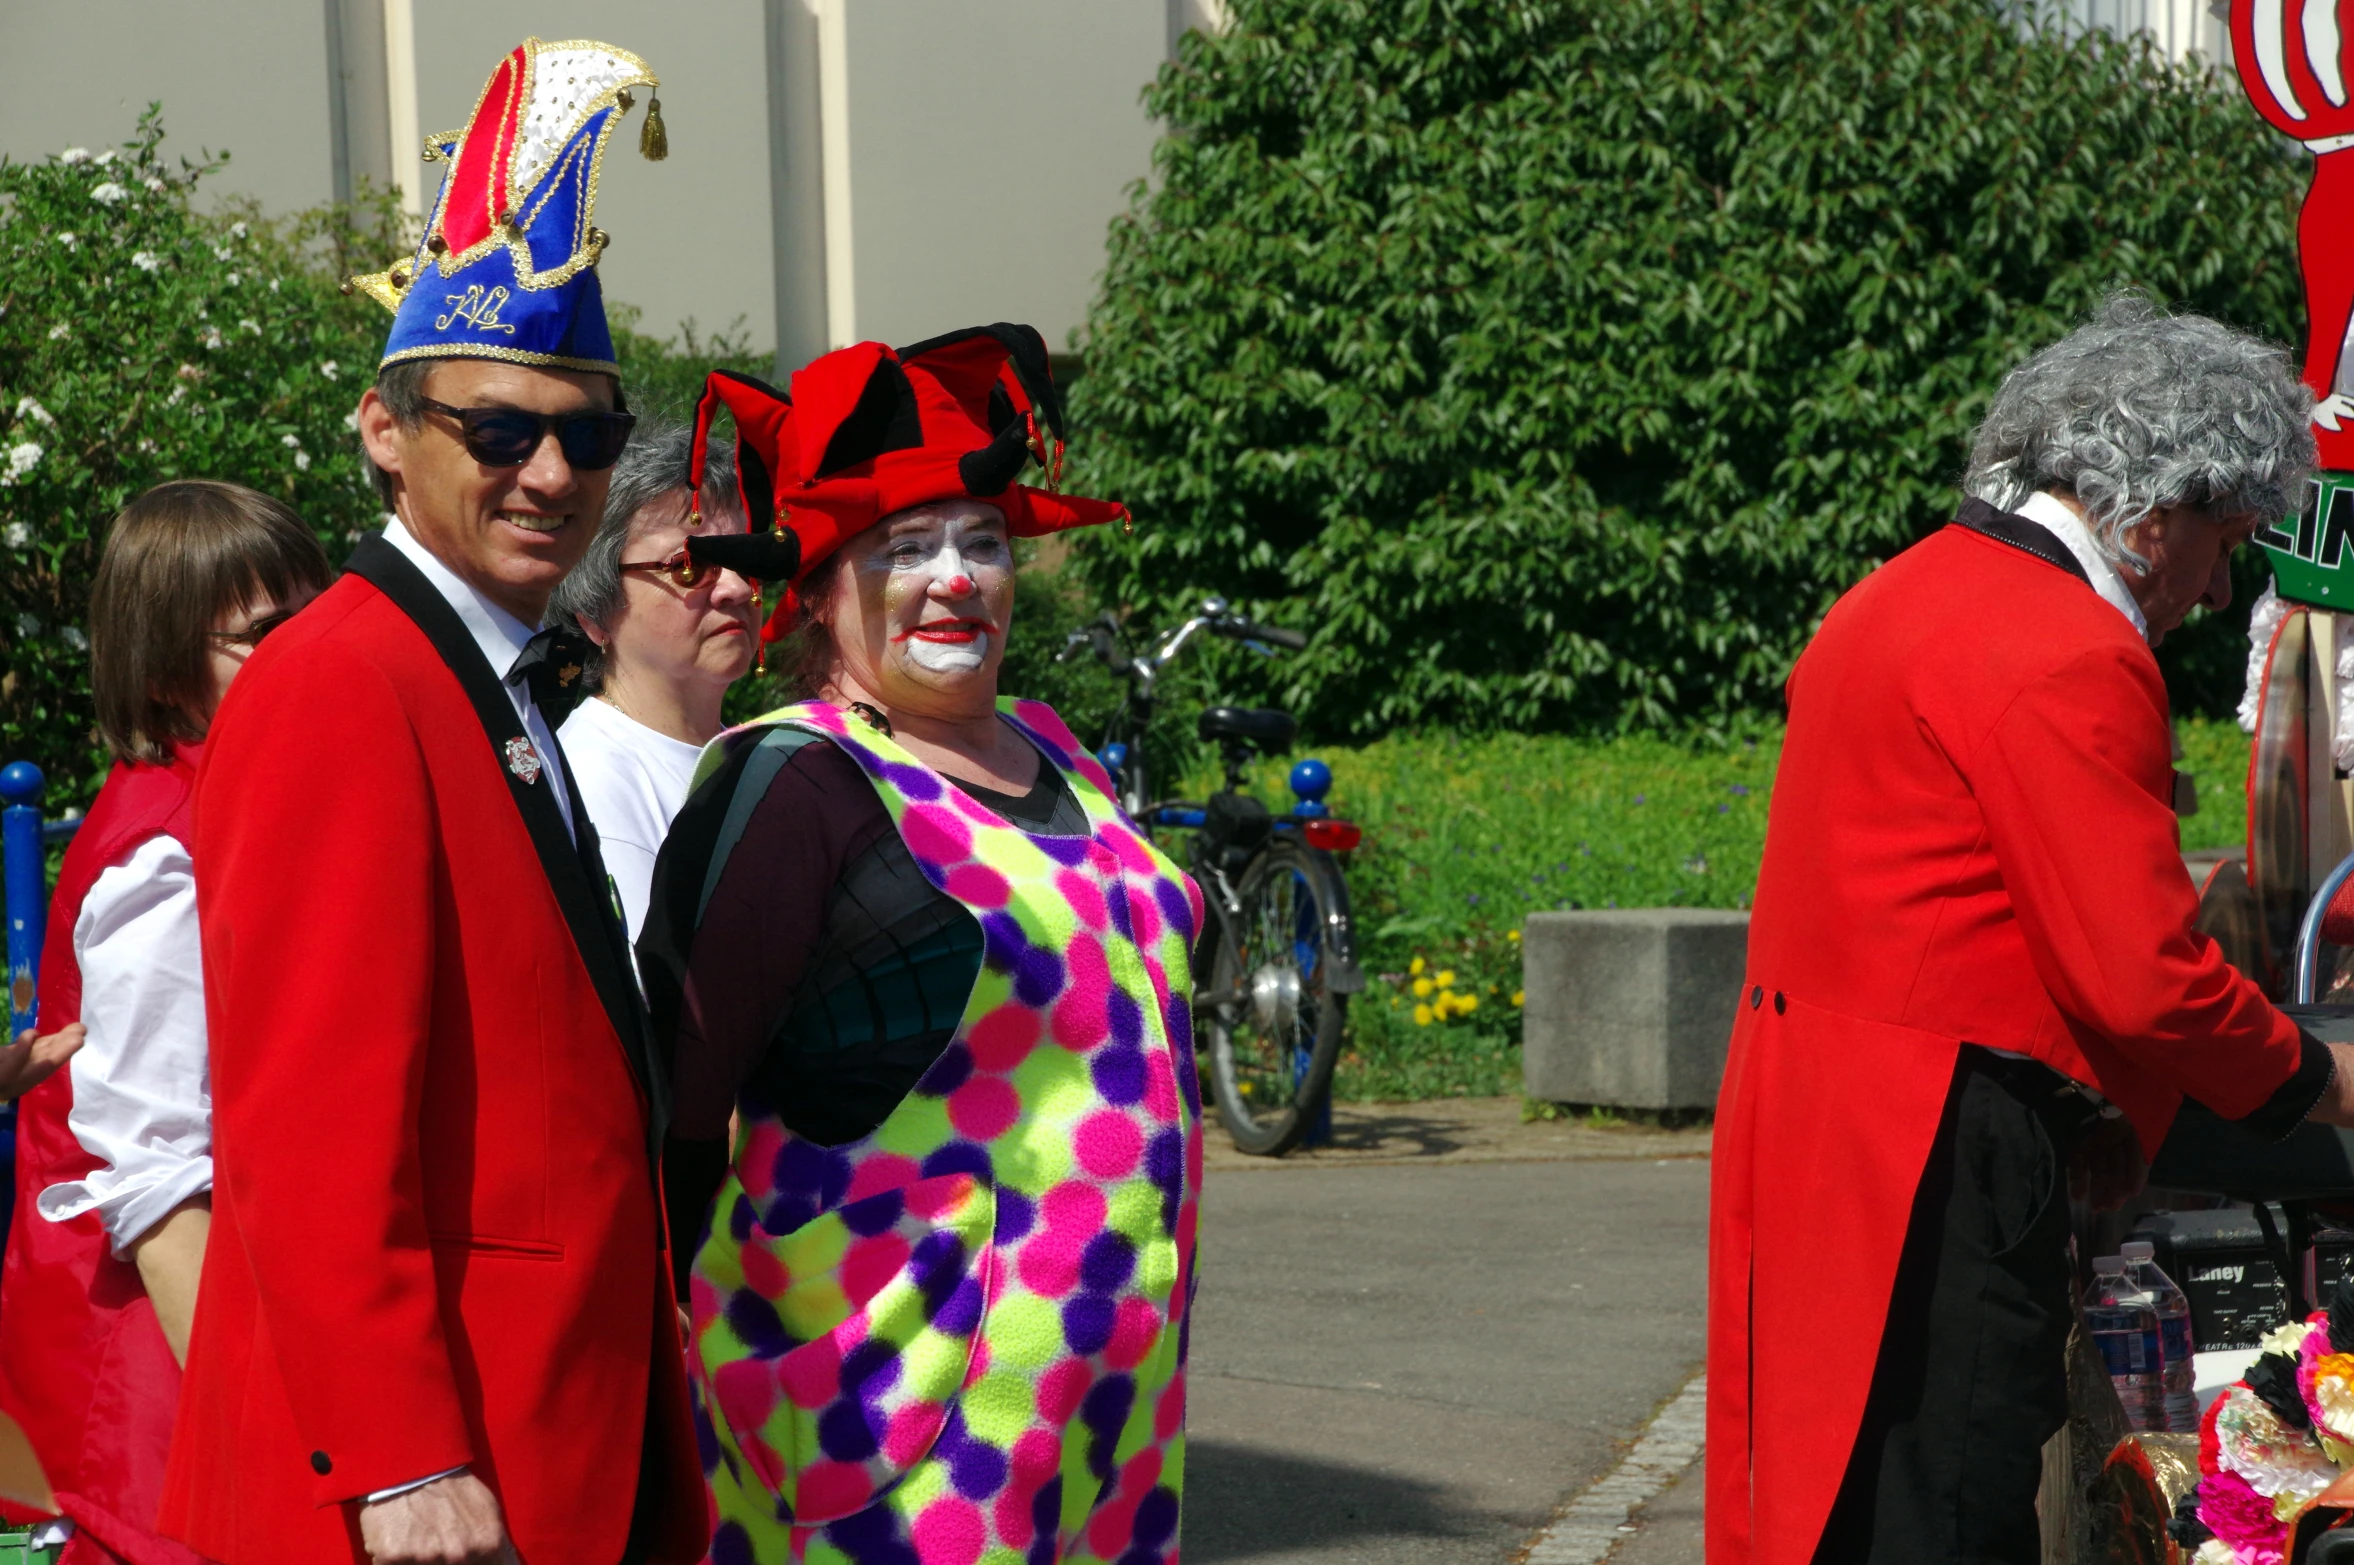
436 1240
86 1369
1972 839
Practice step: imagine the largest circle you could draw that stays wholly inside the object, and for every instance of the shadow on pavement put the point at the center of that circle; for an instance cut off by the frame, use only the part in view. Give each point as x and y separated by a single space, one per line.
1368 1128
1243 1503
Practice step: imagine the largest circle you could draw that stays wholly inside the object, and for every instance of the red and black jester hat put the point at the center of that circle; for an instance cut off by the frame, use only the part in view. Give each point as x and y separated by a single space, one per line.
868 432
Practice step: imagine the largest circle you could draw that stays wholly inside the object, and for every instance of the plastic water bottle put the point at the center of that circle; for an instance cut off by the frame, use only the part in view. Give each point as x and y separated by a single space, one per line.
2123 1320
2173 1309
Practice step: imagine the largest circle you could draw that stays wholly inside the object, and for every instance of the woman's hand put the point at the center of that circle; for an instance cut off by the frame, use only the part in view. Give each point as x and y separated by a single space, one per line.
30 1061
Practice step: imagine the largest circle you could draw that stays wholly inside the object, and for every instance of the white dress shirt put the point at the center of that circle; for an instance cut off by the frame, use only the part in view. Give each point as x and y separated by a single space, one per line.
2052 514
502 637
142 1092
633 781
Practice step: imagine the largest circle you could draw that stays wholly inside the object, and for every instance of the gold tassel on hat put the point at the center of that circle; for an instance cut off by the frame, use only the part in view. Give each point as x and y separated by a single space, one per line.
653 139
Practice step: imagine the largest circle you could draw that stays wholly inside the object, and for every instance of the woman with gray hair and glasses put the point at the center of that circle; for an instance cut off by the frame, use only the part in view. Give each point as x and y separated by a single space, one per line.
1972 966
671 635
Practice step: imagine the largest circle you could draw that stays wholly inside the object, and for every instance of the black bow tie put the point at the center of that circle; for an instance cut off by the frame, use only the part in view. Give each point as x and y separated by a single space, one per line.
554 663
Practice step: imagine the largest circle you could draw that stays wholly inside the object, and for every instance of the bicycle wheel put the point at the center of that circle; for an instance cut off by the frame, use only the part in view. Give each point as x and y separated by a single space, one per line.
1274 1020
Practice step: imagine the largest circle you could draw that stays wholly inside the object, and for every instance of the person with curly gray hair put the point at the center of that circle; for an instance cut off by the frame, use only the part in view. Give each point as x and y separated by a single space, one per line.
671 634
1973 978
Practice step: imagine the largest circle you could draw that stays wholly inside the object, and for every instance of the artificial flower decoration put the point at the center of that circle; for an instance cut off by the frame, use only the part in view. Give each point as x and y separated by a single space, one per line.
2276 1442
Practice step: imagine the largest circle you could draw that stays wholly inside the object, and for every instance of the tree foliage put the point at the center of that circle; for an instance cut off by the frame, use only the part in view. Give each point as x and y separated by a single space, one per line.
1557 362
142 339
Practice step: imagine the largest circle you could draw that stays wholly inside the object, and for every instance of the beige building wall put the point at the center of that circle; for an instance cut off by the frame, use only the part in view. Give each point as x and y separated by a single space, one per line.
839 169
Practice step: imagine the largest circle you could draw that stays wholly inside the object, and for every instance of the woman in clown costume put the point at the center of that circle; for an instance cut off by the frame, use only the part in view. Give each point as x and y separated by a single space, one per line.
902 932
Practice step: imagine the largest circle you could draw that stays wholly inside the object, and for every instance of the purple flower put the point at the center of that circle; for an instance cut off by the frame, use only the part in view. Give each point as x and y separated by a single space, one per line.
1639 798
1742 789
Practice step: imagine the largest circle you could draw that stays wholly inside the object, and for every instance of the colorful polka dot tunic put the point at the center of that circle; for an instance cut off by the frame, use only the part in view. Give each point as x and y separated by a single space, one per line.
961 1338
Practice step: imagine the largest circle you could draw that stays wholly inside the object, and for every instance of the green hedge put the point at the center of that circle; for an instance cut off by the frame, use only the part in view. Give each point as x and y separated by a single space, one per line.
1465 837
144 339
1558 361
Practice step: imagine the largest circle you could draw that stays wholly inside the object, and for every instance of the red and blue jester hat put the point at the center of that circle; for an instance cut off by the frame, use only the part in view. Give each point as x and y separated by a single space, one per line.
868 431
507 265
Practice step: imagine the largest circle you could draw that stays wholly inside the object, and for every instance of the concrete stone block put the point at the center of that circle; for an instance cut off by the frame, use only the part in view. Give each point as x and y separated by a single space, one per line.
1630 1007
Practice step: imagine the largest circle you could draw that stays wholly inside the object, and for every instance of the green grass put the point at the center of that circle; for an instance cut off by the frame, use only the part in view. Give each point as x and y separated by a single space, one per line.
1464 838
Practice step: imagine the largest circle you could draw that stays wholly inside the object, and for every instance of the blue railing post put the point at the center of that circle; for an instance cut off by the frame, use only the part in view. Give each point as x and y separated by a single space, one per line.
24 875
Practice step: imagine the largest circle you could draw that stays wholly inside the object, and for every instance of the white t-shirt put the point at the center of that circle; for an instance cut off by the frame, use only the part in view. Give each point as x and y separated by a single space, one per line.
632 781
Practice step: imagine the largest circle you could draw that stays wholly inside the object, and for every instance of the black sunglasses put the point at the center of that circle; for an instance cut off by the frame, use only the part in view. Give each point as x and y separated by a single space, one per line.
506 437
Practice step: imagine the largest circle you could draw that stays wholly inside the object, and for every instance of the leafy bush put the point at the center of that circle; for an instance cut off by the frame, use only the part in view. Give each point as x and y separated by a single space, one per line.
141 340
1465 837
1558 361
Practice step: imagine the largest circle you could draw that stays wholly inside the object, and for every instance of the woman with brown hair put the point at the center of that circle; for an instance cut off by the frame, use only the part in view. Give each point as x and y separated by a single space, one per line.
114 1154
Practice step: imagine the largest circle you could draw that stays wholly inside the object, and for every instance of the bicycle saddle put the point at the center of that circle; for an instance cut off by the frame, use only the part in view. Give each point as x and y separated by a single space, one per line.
1270 730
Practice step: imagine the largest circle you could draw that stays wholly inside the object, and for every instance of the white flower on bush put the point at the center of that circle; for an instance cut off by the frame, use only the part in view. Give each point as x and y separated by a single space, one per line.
148 447
251 325
190 372
233 279
104 157
237 230
351 420
173 400
302 458
60 331
110 193
19 536
69 240
26 407
220 252
74 155
212 337
72 636
146 260
23 457
154 185
27 627
330 369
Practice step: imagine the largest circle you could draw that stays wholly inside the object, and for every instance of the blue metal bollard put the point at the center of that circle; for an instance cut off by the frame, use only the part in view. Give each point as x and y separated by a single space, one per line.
24 875
1310 781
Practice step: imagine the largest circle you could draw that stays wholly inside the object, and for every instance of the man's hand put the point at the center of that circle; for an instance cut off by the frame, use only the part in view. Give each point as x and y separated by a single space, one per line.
29 1061
450 1521
2337 1103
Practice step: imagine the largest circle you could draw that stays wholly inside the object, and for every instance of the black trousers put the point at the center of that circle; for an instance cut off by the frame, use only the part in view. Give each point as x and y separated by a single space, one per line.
1972 1378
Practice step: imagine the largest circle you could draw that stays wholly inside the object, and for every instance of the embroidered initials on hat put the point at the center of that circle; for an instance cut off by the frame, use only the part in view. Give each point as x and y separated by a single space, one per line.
523 760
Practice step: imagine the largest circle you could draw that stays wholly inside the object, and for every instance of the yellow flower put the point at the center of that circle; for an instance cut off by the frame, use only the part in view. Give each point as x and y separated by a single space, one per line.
1415 967
1422 1016
1512 935
1468 1004
1421 988
1517 995
1446 978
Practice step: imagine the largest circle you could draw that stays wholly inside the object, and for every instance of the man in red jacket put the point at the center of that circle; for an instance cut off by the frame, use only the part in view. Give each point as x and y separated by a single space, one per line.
435 1319
1972 946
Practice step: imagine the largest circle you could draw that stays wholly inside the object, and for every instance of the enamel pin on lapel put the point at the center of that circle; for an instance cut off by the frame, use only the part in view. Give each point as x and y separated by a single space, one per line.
523 760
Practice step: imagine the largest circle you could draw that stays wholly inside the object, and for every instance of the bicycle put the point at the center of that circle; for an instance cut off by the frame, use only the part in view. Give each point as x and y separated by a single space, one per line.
1275 961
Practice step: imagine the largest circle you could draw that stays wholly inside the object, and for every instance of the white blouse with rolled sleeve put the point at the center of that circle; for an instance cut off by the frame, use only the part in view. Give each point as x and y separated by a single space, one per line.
142 1087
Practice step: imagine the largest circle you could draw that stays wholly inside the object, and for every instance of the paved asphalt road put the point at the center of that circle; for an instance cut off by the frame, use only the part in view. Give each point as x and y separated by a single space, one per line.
1417 1357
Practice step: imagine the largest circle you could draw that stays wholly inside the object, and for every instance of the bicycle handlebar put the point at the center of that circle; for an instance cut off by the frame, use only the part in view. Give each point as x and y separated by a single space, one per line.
1245 630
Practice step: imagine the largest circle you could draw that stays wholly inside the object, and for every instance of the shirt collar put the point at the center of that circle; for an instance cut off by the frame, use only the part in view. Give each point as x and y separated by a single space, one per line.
2051 513
499 634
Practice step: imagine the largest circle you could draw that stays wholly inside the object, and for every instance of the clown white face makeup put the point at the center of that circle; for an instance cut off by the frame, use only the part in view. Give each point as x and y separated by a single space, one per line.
920 610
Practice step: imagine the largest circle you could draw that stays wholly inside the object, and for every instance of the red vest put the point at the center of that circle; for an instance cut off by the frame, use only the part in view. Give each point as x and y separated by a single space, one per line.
86 1369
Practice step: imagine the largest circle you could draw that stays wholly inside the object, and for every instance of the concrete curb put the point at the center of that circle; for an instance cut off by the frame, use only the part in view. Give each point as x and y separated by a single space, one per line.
1595 1523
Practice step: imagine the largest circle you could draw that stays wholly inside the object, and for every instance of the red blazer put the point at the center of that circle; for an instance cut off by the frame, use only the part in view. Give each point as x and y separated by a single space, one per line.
436 1239
85 1368
1972 839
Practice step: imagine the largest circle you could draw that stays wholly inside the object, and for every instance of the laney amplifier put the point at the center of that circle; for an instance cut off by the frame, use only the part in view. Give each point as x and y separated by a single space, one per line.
2234 1288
